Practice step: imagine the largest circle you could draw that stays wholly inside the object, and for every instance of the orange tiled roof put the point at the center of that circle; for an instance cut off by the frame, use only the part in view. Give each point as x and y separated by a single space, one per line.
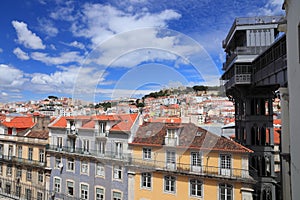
175 120
19 122
126 122
59 123
107 117
40 134
89 124
191 136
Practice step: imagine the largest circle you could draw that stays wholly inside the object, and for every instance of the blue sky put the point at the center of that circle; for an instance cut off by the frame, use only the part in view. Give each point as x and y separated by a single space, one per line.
97 50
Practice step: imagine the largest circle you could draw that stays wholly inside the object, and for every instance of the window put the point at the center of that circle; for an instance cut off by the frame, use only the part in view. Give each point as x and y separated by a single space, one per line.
102 127
117 195
1 150
30 153
59 143
10 152
225 192
39 195
100 170
28 194
86 145
196 161
20 151
57 162
19 172
70 188
1 168
225 164
41 155
28 175
195 188
7 188
18 190
57 184
171 160
169 184
101 147
84 167
118 149
8 170
84 191
41 176
146 153
70 166
171 133
99 194
146 180
117 172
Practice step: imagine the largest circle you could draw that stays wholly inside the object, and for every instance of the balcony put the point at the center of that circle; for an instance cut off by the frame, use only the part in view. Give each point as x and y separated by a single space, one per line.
170 141
238 79
22 161
207 171
99 134
72 133
89 152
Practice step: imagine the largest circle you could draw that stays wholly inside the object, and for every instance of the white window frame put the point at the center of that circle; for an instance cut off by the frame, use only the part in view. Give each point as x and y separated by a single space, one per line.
198 183
117 172
100 193
41 155
70 162
86 145
56 185
116 192
67 187
59 143
58 161
169 183
9 170
29 174
147 153
30 153
100 169
146 180
226 187
118 149
40 176
101 147
171 159
84 194
225 164
84 167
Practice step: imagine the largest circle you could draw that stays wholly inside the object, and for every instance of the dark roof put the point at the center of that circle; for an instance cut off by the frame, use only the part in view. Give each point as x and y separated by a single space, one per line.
190 136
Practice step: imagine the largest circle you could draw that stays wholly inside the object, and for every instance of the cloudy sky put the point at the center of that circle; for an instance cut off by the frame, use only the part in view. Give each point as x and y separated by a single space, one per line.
97 50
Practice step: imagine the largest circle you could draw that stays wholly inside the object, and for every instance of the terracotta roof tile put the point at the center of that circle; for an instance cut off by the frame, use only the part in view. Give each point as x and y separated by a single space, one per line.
190 136
19 122
107 117
59 123
126 122
40 134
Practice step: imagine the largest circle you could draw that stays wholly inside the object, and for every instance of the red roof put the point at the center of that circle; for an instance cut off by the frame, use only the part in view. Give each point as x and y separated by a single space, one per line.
190 136
107 117
19 122
126 122
176 120
59 123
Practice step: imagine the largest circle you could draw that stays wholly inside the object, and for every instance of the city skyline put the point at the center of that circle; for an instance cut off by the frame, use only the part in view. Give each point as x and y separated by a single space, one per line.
98 51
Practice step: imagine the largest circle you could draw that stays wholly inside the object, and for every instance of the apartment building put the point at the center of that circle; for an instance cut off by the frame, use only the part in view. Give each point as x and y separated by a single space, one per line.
88 156
183 161
23 167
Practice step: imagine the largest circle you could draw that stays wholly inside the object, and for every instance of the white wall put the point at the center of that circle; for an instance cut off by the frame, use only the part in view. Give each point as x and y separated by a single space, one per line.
293 19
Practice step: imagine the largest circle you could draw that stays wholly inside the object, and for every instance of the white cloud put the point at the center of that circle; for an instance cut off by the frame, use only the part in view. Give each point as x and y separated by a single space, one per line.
63 58
21 54
11 78
272 7
77 44
48 27
99 22
26 37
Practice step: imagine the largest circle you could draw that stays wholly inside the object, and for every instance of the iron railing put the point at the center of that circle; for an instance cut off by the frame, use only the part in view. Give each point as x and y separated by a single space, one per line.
22 160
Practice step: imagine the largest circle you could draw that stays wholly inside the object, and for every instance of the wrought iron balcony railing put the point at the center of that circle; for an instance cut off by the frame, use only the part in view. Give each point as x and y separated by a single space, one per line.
90 152
22 160
201 170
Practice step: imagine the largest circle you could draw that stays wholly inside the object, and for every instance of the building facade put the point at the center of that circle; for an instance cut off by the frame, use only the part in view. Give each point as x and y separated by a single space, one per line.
88 156
183 161
23 167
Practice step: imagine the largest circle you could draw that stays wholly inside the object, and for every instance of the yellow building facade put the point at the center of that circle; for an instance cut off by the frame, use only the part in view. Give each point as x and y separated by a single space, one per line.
182 161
